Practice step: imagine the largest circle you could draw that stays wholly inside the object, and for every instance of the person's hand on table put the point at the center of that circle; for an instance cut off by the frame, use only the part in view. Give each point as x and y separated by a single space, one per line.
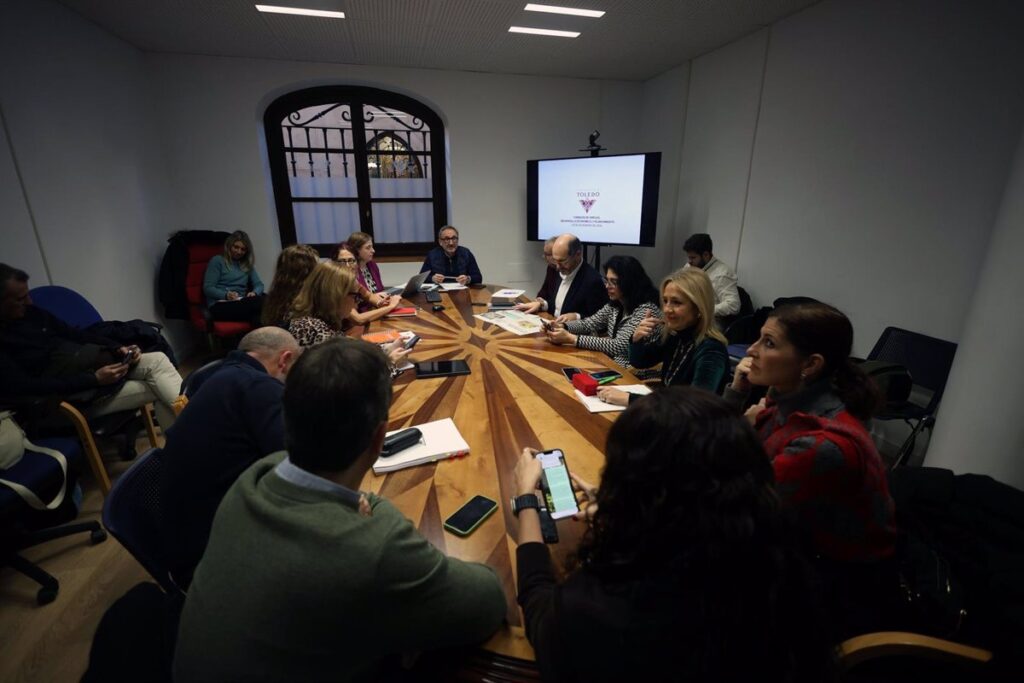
528 307
396 352
232 296
566 317
755 410
462 280
612 396
378 300
392 303
438 278
645 328
740 382
586 496
111 374
249 295
559 335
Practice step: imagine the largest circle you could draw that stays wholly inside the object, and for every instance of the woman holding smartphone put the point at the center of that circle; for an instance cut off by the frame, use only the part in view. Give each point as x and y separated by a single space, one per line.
687 565
685 342
631 298
827 469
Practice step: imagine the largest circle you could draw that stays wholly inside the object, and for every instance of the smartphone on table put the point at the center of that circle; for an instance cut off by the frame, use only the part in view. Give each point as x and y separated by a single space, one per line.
570 372
556 484
606 376
470 516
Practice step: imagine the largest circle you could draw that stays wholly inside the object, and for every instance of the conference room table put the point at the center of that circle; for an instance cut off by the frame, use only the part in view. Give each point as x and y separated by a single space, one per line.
515 396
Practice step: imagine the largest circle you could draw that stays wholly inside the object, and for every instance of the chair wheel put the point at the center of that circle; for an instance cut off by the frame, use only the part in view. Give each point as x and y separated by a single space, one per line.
97 536
46 595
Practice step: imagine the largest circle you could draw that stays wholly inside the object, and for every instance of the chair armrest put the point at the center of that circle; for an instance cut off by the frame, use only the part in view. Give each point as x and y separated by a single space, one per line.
871 646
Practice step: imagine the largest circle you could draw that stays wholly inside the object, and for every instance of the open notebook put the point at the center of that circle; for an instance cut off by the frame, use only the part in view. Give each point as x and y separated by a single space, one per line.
596 405
441 440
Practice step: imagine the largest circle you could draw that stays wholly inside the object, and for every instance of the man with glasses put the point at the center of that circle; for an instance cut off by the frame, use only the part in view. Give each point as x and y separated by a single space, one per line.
579 288
450 261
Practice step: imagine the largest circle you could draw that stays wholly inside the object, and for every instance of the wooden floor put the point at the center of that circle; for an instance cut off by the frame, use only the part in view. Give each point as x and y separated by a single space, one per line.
51 643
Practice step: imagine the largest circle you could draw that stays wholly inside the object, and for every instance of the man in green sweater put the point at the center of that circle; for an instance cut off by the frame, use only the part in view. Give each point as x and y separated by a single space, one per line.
307 579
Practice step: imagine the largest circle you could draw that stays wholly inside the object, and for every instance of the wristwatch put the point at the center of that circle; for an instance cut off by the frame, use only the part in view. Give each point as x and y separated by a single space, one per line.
524 502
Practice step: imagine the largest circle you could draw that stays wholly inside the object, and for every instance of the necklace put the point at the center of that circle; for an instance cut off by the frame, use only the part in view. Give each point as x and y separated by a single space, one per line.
368 279
674 367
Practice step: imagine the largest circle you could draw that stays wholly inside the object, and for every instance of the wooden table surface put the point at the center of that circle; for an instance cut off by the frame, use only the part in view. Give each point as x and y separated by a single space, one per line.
515 396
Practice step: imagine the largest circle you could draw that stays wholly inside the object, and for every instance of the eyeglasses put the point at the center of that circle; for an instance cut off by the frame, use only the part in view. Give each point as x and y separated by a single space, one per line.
449 239
613 281
347 261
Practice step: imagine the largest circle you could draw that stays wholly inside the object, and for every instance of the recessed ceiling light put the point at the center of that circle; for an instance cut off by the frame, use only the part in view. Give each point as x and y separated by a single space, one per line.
298 10
554 9
543 32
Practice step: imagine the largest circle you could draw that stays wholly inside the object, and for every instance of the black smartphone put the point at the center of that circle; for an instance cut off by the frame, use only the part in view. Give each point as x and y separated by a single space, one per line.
606 376
556 484
441 368
469 516
414 340
570 372
128 355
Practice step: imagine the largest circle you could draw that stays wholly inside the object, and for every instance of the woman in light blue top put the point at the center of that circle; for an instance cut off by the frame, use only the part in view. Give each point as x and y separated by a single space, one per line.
233 289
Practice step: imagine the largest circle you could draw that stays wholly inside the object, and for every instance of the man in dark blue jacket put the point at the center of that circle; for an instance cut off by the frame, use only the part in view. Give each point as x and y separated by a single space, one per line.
233 420
451 261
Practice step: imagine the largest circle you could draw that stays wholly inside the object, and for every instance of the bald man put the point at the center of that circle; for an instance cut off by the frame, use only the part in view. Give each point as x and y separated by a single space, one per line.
579 288
231 421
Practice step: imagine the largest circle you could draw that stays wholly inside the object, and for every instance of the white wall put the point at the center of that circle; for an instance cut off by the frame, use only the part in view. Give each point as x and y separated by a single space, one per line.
211 117
978 428
76 107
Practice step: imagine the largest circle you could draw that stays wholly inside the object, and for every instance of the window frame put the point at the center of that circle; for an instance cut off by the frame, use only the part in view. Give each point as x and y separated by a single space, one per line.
356 97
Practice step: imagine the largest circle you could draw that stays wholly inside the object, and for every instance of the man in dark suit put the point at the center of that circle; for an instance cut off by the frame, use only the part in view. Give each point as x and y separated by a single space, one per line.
579 288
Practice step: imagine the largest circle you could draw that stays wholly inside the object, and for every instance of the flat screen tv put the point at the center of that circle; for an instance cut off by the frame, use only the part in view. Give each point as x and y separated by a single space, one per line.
602 200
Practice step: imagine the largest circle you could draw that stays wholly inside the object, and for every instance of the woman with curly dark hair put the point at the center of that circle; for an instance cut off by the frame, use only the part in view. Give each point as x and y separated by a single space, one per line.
631 298
294 264
687 570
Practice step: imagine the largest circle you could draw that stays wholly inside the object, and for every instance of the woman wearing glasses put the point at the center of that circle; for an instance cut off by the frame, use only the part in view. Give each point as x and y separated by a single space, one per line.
323 306
685 343
631 298
370 306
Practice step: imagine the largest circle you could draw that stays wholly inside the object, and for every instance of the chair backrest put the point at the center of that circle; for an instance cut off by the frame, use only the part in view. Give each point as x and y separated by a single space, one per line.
746 303
199 256
66 304
747 329
190 385
928 359
133 514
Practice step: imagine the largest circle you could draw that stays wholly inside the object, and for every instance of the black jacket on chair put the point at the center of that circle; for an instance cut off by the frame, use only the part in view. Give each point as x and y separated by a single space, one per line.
586 295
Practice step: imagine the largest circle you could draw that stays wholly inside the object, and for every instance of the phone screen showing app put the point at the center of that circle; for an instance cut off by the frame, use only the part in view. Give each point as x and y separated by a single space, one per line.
557 486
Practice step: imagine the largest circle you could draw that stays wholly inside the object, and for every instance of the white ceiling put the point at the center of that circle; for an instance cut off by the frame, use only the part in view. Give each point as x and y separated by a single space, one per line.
635 40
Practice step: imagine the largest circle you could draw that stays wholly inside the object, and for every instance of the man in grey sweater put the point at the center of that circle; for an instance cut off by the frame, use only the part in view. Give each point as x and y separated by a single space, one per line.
307 579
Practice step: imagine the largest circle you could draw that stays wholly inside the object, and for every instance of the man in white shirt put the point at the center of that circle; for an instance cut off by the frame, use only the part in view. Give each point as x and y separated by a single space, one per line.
579 288
699 254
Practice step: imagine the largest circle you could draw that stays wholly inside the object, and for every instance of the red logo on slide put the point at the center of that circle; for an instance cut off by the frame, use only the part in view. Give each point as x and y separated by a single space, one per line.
587 203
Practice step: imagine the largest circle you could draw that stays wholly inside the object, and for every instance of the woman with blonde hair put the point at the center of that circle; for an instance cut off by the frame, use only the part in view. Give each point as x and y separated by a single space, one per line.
323 306
233 289
688 346
294 264
370 306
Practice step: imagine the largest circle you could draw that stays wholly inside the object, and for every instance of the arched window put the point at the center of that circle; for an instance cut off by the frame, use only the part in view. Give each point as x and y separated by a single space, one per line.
346 158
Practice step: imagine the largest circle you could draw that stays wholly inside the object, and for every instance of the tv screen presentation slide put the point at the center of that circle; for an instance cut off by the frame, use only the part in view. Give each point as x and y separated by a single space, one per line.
598 199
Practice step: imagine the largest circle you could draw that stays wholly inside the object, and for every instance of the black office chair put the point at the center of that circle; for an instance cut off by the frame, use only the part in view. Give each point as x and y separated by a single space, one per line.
928 360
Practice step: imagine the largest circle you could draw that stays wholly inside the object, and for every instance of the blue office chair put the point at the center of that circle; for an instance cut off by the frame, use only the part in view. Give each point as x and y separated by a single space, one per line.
75 310
23 527
133 514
